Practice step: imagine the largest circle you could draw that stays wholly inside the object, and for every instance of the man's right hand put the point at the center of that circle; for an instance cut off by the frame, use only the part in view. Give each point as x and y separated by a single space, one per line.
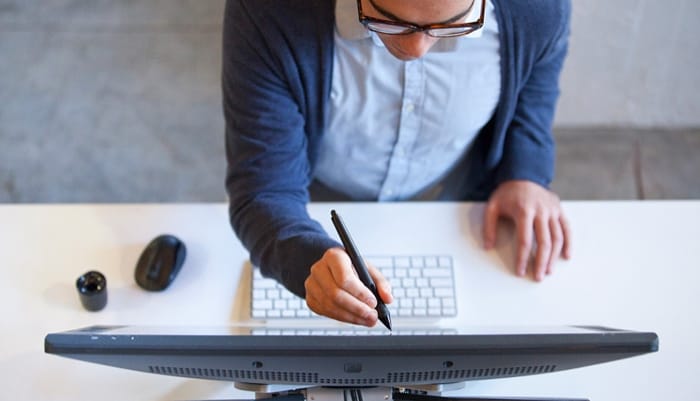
334 290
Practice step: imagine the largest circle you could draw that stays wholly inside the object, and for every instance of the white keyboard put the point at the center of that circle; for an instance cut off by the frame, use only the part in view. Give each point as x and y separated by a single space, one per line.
422 285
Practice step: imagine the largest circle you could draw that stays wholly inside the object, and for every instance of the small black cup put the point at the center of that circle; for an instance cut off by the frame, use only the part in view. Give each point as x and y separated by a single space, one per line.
92 289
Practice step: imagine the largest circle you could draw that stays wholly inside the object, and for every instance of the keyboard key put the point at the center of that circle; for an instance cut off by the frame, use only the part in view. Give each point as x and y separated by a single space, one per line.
437 282
444 292
303 313
263 304
417 261
437 272
402 262
449 311
434 311
263 283
380 262
295 303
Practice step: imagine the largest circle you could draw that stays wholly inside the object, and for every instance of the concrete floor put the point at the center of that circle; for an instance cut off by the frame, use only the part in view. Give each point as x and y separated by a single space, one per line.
119 101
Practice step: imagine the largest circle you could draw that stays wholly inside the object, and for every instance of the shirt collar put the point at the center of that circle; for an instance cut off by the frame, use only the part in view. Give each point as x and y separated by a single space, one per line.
349 27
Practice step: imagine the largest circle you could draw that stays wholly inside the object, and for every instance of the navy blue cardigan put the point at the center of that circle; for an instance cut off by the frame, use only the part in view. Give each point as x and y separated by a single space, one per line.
276 80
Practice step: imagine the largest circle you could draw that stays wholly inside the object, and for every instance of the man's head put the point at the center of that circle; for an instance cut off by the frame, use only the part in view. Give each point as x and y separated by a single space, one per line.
409 28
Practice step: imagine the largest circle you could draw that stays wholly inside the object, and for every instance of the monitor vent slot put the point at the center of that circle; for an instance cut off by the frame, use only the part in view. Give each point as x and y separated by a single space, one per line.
439 376
237 374
351 382
426 377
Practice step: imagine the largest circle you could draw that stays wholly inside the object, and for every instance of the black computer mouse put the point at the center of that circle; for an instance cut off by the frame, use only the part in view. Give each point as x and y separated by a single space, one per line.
160 263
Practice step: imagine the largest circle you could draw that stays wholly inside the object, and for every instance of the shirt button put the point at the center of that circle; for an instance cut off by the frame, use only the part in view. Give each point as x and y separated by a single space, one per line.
401 151
409 107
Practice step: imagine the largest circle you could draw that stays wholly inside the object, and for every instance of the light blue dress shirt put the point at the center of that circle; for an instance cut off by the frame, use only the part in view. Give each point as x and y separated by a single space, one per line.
398 128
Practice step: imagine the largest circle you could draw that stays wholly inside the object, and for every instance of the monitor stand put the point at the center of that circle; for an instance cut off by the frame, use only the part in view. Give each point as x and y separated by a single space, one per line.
430 392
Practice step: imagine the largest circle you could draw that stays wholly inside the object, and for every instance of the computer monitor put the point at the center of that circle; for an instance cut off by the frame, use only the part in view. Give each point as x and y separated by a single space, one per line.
346 357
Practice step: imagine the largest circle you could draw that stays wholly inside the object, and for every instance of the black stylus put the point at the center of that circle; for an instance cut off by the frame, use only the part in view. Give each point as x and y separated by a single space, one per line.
360 267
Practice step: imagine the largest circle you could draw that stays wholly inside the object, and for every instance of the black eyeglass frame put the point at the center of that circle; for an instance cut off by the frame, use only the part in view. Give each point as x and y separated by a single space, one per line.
428 29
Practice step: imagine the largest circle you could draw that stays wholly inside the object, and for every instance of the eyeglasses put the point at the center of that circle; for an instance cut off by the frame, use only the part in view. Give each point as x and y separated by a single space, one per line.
397 27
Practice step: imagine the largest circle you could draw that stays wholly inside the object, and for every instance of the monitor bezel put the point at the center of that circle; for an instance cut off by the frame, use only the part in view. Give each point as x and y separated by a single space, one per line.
324 359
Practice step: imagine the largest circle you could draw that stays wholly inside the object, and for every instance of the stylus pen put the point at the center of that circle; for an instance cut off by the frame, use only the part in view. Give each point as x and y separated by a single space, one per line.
360 267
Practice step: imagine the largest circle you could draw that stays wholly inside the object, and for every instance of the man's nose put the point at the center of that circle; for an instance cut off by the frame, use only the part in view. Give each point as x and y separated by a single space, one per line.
417 44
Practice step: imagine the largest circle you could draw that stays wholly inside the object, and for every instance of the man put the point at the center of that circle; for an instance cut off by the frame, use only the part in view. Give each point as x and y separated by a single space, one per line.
388 100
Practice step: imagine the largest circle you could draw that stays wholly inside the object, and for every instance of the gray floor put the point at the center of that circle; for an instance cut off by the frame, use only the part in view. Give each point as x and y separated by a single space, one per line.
627 164
119 101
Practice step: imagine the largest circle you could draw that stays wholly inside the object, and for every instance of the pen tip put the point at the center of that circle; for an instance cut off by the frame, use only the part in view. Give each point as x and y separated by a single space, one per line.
386 323
384 316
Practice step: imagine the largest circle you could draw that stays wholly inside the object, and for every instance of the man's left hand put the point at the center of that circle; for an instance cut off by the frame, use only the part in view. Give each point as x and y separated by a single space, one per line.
536 212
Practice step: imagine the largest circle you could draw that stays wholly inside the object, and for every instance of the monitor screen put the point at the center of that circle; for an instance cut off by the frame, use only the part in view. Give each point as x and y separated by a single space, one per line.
340 356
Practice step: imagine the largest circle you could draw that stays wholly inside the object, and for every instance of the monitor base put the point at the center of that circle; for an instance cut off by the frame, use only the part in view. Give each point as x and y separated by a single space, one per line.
276 392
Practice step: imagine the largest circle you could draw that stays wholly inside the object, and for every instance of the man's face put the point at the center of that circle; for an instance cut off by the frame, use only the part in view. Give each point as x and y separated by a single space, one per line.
418 12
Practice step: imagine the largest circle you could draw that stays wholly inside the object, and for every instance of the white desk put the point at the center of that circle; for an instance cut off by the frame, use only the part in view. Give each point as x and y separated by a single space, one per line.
635 266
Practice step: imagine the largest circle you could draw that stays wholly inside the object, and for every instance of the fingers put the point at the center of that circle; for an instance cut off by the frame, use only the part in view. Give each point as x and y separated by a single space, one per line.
383 286
538 218
566 237
544 247
524 241
552 235
491 215
334 290
355 313
557 235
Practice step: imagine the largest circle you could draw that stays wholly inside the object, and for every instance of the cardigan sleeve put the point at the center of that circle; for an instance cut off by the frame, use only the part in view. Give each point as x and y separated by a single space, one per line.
541 42
267 148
